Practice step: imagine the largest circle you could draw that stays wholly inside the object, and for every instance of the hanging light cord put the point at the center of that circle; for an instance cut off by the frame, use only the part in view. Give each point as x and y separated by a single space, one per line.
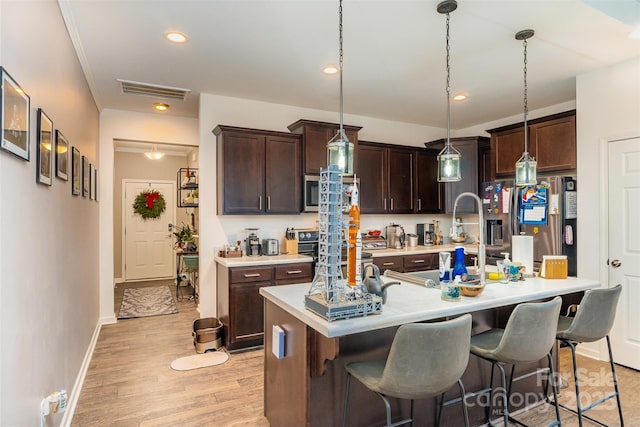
448 87
342 135
526 106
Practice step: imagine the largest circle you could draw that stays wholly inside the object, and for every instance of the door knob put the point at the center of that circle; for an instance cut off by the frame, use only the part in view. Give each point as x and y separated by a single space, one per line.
616 263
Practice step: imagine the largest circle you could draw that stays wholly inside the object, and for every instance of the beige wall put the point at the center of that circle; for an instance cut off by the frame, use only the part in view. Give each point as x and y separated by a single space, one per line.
138 166
49 291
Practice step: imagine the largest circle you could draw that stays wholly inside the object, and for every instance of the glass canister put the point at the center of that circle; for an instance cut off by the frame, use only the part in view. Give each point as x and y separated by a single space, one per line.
449 290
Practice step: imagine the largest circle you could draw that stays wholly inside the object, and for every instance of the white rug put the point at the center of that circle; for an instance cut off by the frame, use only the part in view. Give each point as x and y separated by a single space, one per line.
203 360
147 301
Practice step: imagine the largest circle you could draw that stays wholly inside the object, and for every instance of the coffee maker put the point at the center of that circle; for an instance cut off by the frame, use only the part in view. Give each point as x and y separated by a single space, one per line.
395 236
426 234
252 243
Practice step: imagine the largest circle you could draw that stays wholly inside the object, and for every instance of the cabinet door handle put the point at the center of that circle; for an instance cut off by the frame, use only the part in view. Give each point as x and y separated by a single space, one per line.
385 203
294 271
419 204
259 203
388 263
268 203
418 261
392 203
252 275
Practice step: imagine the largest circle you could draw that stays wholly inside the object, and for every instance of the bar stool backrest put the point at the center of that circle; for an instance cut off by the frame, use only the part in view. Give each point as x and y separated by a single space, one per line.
530 332
426 359
595 315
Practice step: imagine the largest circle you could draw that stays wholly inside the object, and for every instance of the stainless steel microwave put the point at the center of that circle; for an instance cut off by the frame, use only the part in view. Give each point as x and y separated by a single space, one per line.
312 191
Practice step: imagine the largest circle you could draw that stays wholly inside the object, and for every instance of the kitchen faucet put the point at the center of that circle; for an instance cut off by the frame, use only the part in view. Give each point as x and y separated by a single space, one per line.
481 247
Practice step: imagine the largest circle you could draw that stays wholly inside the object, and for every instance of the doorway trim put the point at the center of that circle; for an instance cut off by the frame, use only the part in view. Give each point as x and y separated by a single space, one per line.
123 213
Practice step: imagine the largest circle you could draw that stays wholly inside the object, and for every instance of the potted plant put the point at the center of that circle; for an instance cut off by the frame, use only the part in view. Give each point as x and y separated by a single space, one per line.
185 239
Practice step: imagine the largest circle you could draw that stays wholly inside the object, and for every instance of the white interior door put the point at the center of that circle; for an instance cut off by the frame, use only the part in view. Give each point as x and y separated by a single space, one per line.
148 252
624 247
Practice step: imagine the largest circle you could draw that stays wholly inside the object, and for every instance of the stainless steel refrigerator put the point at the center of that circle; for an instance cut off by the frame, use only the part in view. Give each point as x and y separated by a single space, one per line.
552 223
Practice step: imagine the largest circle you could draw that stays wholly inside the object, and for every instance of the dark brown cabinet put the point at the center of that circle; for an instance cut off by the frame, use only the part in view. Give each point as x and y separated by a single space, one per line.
386 178
315 137
258 171
420 262
429 193
552 141
240 306
389 263
471 149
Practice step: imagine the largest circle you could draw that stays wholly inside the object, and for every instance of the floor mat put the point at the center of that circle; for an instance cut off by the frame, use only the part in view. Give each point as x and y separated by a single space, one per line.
147 301
203 360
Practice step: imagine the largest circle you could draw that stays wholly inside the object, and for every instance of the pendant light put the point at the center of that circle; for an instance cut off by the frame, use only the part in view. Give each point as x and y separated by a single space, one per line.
154 154
340 149
449 157
526 165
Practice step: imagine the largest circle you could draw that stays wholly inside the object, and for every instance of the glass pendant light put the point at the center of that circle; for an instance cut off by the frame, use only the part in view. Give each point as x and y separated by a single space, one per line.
340 149
154 154
526 165
449 157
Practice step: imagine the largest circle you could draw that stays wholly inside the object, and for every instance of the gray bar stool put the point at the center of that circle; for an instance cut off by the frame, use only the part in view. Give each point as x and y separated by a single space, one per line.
527 338
592 322
425 360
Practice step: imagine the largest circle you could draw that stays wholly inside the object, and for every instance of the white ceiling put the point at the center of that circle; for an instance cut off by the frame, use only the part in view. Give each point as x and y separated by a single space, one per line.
394 53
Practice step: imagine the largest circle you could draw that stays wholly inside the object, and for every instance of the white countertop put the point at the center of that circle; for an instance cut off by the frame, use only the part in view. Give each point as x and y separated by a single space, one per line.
408 303
247 261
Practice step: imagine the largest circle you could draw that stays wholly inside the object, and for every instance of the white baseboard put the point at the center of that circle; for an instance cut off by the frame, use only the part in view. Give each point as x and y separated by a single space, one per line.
109 320
118 280
77 387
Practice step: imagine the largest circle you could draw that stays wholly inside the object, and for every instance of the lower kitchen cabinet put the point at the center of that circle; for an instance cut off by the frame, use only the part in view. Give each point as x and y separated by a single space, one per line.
420 262
240 306
389 263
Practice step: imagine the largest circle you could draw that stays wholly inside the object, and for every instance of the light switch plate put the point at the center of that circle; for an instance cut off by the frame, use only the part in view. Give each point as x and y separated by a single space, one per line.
277 341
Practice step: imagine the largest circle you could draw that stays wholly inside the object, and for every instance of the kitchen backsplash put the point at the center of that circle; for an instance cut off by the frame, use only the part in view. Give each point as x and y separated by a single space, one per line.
235 227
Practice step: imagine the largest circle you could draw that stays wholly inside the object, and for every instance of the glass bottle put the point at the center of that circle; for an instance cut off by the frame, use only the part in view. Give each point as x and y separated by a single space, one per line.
459 268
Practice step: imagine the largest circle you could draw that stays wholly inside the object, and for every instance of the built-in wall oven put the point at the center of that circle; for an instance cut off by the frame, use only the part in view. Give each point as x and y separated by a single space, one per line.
312 191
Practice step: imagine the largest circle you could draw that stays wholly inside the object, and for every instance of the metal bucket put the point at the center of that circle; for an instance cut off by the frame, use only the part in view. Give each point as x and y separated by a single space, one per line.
207 334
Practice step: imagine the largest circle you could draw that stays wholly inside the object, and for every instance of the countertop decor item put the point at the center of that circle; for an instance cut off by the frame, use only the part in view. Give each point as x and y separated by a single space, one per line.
471 289
149 204
526 165
449 157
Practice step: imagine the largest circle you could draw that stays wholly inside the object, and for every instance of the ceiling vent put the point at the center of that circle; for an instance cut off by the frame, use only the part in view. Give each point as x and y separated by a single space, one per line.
146 89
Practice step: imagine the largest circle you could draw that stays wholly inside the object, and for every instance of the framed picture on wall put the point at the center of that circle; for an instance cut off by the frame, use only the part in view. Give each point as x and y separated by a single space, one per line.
95 183
92 177
75 171
45 148
15 106
62 156
85 177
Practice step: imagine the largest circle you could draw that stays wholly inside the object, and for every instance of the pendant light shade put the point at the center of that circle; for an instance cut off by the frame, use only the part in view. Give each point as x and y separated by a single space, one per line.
339 148
154 154
525 166
449 157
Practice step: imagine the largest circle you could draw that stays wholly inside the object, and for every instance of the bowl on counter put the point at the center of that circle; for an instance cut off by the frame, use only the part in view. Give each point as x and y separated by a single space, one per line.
374 233
470 289
459 239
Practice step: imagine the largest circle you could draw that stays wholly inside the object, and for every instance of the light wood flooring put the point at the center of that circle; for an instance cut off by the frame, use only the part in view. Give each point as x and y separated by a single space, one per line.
130 381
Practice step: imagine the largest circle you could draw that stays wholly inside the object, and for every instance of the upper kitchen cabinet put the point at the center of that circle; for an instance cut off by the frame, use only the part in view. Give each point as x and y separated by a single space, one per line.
258 171
386 178
315 136
429 193
552 141
473 173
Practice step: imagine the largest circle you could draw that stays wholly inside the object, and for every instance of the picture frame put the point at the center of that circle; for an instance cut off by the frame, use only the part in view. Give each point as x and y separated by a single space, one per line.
92 178
85 177
15 109
97 185
75 171
45 145
62 156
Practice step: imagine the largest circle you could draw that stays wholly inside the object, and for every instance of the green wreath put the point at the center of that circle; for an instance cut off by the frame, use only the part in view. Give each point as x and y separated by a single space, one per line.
149 204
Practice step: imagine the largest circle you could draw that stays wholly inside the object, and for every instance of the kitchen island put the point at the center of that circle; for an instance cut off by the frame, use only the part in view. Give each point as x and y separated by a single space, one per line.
306 386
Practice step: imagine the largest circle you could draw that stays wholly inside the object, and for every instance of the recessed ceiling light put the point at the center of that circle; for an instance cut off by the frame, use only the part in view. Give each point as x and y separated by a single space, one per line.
330 69
459 97
160 106
176 37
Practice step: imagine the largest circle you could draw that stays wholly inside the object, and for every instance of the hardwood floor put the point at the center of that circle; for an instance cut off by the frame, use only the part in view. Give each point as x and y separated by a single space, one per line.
130 381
